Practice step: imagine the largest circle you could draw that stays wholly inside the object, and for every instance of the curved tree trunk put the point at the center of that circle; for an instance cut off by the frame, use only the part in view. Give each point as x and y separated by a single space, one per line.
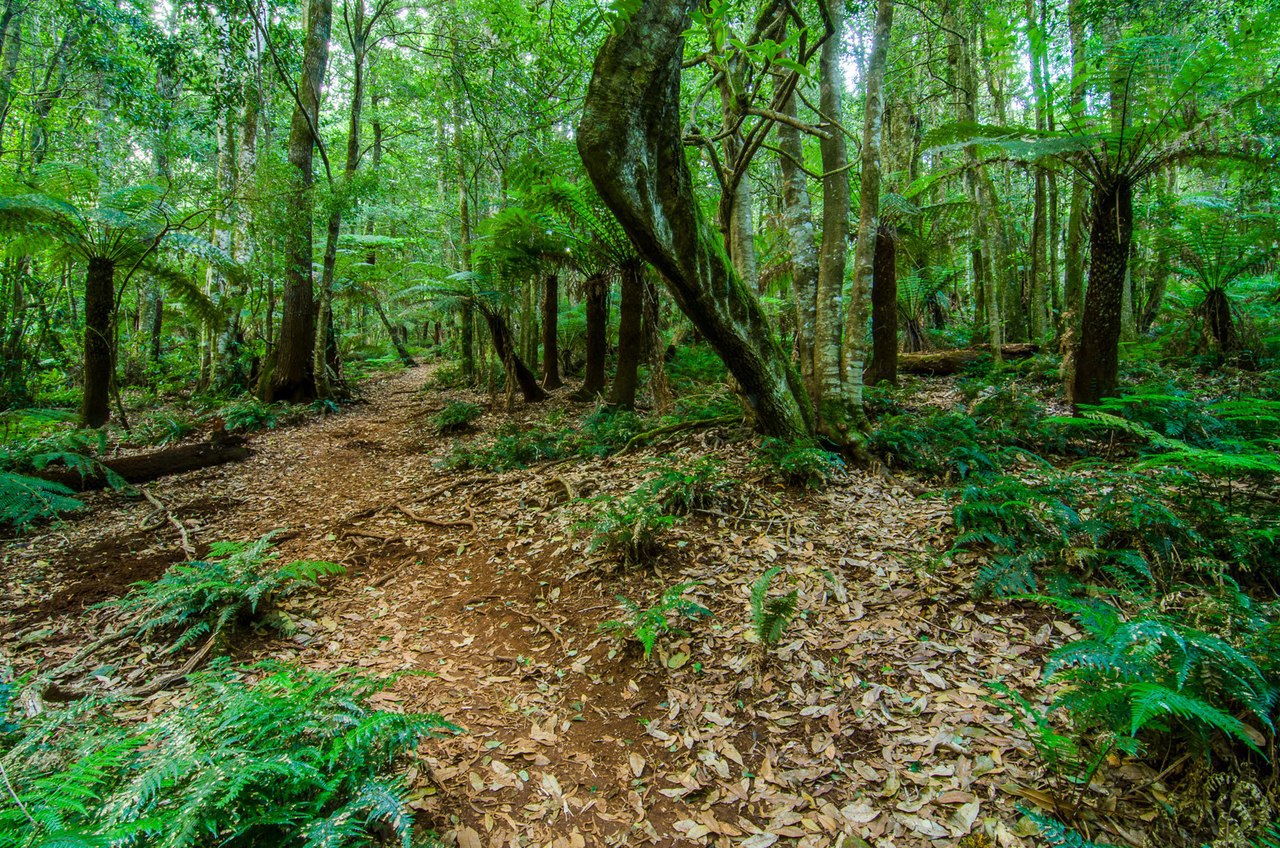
504 345
1110 233
593 381
550 333
99 300
630 141
630 336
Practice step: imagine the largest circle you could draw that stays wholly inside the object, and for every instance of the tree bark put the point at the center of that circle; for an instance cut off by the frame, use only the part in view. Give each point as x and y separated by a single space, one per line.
830 364
99 302
942 363
884 310
1110 235
868 207
631 144
630 336
550 333
294 376
504 346
797 214
597 309
152 466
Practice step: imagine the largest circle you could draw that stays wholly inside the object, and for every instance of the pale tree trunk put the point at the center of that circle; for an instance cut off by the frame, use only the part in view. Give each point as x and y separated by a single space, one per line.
868 204
837 413
735 206
11 39
1037 278
802 240
293 377
631 144
1073 259
216 284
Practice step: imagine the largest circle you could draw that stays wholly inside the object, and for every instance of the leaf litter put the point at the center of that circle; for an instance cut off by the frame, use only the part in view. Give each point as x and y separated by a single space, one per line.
866 725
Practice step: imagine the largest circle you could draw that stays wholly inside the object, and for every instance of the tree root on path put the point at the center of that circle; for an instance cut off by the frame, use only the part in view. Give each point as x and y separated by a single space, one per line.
437 522
678 427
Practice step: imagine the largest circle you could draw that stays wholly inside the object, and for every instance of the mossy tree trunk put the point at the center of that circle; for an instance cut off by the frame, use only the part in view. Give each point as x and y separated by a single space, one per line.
630 141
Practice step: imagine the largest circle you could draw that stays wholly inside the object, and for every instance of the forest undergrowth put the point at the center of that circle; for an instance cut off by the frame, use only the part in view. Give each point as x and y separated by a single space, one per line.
570 625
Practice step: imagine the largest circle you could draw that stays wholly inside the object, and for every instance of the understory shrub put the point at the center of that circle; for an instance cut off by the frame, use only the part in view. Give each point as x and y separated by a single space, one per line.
248 413
630 527
265 755
456 417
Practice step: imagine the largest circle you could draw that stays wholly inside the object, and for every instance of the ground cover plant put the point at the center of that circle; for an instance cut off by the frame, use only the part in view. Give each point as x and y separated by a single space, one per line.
806 424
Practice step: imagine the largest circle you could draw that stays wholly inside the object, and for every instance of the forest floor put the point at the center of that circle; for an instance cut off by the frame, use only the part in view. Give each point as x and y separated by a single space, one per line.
867 725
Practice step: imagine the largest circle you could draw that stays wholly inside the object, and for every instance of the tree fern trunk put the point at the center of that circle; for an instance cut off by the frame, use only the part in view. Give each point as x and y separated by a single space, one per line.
1110 233
550 333
630 336
99 300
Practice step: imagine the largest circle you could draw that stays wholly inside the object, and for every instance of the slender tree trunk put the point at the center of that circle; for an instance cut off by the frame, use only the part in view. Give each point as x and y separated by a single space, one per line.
550 333
655 352
597 308
630 336
293 378
735 207
802 240
11 39
631 144
866 249
1110 235
836 413
884 309
99 302
327 364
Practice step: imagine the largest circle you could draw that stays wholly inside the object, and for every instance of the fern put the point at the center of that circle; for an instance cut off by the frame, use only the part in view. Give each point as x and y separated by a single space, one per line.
771 615
202 599
298 758
647 624
26 499
1057 833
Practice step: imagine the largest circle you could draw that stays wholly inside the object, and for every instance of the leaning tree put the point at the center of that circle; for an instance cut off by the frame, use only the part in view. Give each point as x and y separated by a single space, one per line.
631 143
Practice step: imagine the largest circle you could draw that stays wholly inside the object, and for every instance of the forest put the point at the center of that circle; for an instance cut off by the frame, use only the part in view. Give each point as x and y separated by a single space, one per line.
566 423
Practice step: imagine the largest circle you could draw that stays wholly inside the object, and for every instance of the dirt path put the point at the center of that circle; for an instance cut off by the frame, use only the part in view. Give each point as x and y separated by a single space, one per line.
866 726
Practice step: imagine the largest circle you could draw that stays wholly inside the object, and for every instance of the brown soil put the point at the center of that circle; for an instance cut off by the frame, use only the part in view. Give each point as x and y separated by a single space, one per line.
868 721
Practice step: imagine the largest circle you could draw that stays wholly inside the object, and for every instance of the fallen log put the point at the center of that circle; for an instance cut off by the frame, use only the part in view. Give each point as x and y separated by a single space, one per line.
943 362
145 467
